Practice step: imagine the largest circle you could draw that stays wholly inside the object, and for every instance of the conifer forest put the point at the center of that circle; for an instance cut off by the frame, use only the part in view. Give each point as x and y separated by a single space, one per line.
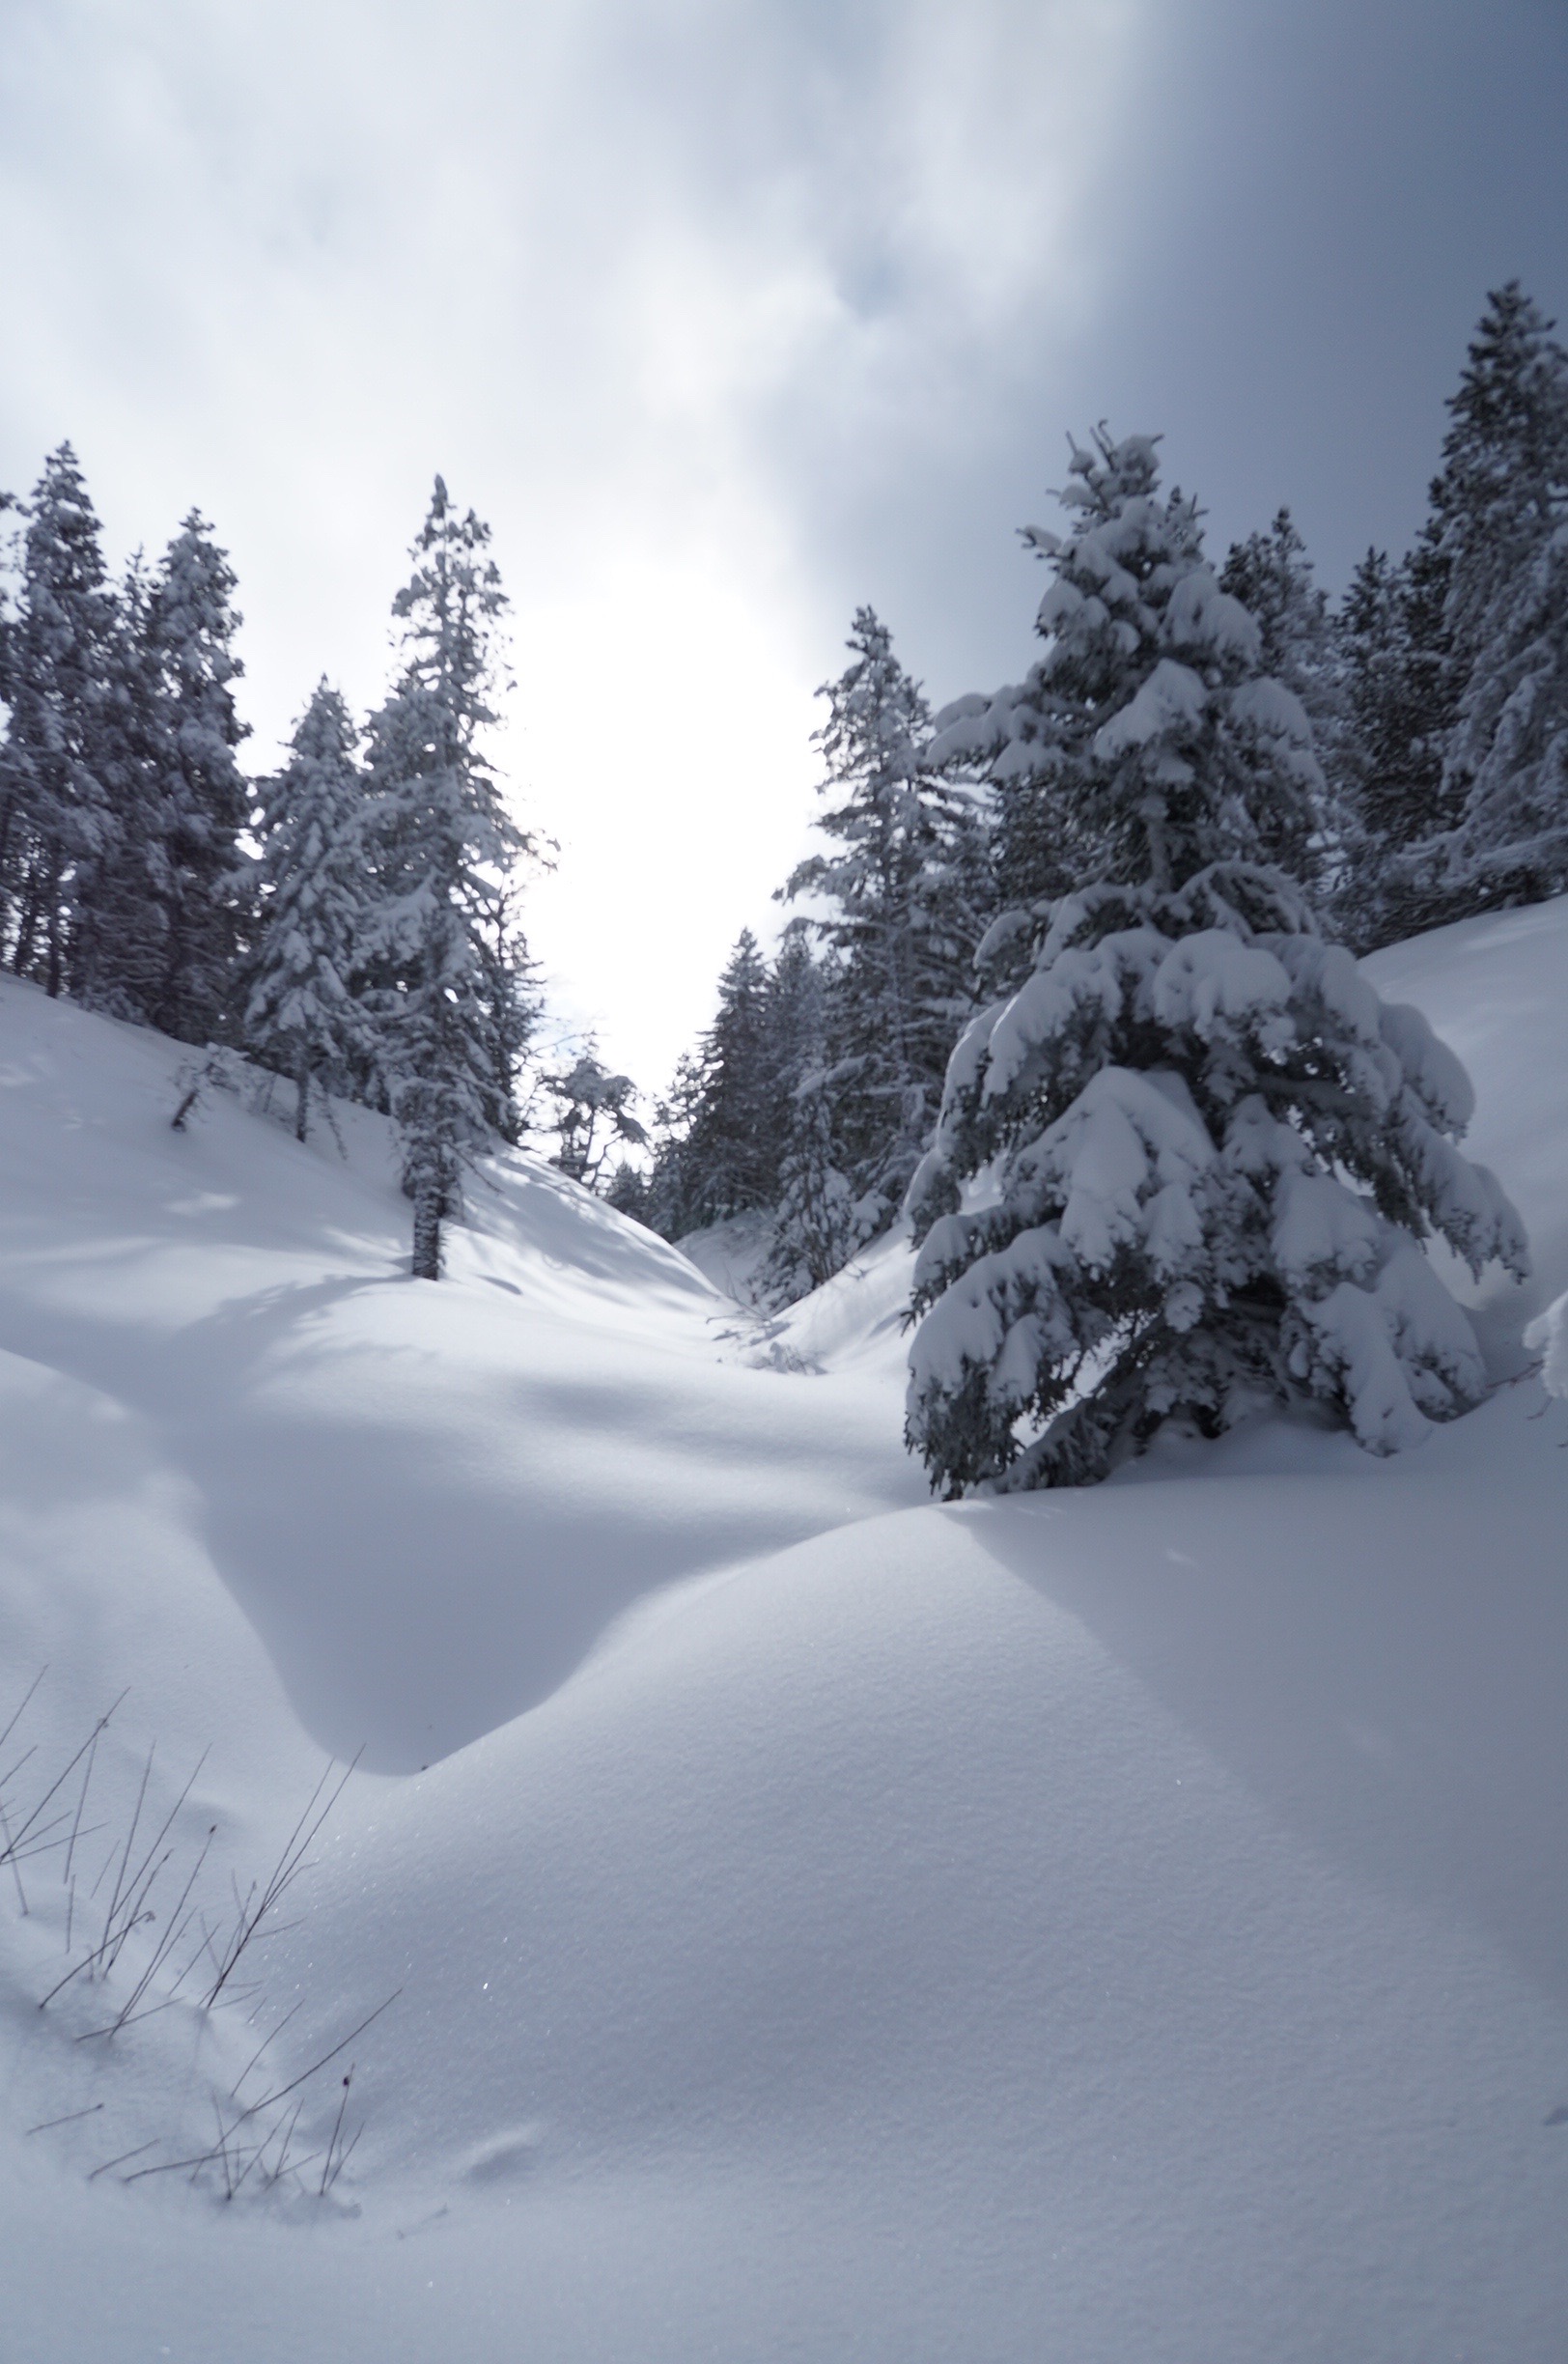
784 1183
1101 922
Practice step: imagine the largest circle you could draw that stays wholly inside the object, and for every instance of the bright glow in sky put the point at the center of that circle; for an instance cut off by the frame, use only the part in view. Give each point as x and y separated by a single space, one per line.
729 318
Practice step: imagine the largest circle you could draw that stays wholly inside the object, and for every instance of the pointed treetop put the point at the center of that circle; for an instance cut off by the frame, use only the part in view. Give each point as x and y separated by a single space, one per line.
1511 354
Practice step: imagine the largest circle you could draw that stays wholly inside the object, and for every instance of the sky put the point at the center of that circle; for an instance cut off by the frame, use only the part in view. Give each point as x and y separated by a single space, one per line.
729 316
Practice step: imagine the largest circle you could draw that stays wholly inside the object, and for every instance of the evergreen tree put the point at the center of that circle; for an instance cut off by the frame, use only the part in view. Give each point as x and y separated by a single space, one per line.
1402 688
819 1221
1006 743
53 809
123 890
904 892
1503 497
442 843
796 1000
205 881
509 1000
814 1232
1203 1153
8 502
723 1125
673 1186
628 1193
10 570
1272 577
1511 746
302 1017
727 1126
1454 657
1504 472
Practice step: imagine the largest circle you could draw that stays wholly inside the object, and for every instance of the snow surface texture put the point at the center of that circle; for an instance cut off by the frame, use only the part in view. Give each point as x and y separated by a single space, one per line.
1114 1925
1549 1335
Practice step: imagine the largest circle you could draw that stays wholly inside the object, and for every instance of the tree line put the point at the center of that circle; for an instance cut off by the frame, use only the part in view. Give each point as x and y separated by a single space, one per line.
1398 759
348 921
1417 773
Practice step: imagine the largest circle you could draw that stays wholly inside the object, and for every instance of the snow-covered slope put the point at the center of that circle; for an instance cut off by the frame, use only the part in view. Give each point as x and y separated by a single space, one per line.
1497 990
1116 1926
430 1502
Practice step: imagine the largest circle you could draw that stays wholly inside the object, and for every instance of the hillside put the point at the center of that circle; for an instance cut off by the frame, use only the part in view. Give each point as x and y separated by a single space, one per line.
1108 1925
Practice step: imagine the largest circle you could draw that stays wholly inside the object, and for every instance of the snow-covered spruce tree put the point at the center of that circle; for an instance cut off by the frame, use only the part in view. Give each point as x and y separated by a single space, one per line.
441 842
818 1221
1502 481
627 1193
1272 576
206 882
722 1126
814 1232
725 1127
1006 743
1184 1169
904 893
800 987
510 996
122 890
1401 692
671 1180
9 504
302 1017
1504 493
53 808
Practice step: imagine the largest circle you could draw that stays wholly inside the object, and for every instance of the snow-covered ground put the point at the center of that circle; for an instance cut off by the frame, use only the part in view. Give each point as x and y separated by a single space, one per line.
1126 1926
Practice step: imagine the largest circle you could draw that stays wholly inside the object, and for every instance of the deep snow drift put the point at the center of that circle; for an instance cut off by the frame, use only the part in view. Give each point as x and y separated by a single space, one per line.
1112 1926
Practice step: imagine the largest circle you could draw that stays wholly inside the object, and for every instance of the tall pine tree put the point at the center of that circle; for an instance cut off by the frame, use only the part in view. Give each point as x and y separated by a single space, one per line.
1503 496
442 843
1402 690
728 1126
1502 480
721 1129
509 995
1272 576
1454 658
204 876
121 894
815 1229
53 808
302 1016
904 892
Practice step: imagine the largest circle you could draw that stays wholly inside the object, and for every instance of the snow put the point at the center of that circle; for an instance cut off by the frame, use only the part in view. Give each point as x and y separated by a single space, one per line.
1269 706
1110 1924
1496 992
1172 698
1200 615
1211 978
1548 1336
348 1433
733 1254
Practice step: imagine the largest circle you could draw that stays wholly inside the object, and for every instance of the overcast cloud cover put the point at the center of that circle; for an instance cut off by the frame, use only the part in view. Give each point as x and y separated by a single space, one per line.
729 317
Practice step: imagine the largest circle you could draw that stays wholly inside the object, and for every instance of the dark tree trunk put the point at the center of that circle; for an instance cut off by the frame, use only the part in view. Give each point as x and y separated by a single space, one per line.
22 959
427 1263
52 892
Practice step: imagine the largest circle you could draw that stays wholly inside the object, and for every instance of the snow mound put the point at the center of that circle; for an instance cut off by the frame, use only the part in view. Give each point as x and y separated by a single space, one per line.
430 1501
1104 1926
1496 991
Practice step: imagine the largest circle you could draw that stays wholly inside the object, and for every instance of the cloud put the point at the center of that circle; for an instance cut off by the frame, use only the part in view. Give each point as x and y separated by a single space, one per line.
675 293
729 318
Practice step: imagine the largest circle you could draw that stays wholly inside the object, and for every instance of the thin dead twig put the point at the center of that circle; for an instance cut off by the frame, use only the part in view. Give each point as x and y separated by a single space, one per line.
251 1914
